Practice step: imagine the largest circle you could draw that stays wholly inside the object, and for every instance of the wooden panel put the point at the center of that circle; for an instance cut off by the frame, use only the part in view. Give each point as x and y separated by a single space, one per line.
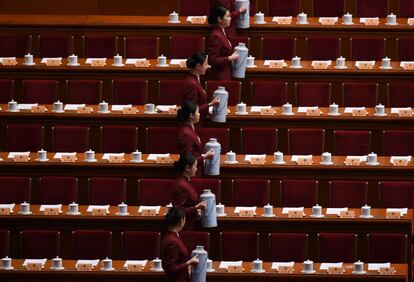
68 7
134 7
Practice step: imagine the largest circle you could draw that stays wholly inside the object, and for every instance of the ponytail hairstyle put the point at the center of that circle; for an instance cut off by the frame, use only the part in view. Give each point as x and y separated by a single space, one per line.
187 108
217 12
174 215
195 59
185 160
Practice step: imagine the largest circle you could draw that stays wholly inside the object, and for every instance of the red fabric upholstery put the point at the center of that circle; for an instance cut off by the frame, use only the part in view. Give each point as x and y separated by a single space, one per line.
14 45
84 91
183 46
15 189
38 244
91 244
367 48
328 8
231 243
257 140
371 8
360 94
348 193
273 93
406 9
288 246
99 46
306 141
170 92
323 48
40 91
337 247
4 243
25 137
250 192
284 8
6 90
194 8
398 142
222 135
352 143
396 194
119 139
107 190
389 247
278 48
233 87
156 137
130 91
140 245
235 40
405 47
141 47
213 184
58 190
309 94
401 94
299 192
55 45
154 192
191 239
70 138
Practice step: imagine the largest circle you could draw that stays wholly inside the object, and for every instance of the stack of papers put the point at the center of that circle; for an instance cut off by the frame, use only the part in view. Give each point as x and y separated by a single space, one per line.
304 109
257 109
276 265
237 209
287 209
363 20
41 261
73 107
190 18
133 61
43 207
326 265
94 262
26 106
377 266
393 158
92 207
153 157
43 61
120 107
361 158
177 61
157 208
165 108
276 19
295 158
348 110
7 206
249 157
60 154
335 211
89 60
226 264
402 211
135 262
397 110
107 155
12 154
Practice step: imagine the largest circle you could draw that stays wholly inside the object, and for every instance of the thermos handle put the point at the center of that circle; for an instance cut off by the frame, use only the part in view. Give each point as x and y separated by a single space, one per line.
209 209
198 269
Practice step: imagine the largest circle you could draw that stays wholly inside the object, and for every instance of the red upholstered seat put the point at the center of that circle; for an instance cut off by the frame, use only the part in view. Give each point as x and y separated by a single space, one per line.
233 87
288 246
406 9
278 48
15 189
156 137
170 92
4 243
328 8
323 48
337 247
239 245
15 45
194 8
371 8
38 244
284 8
130 91
141 47
222 135
25 137
250 192
396 194
258 140
154 192
183 46
387 247
367 48
140 245
55 45
58 190
352 143
119 139
401 94
266 92
191 239
213 184
99 46
405 47
6 90
235 40
107 190
70 138
83 91
398 142
298 192
360 94
347 193
40 91
309 94
306 141
91 244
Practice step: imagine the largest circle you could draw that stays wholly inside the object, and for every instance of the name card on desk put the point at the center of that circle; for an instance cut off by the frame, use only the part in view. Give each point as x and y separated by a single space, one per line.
173 110
34 266
9 62
267 111
68 158
405 113
328 20
142 63
285 269
198 19
305 161
393 215
410 21
162 159
235 268
5 211
400 162
51 211
97 63
53 62
359 112
371 21
278 64
321 65
257 160
295 214
129 111
313 112
336 270
407 65
116 159
134 267
365 65
347 214
84 110
84 266
21 158
284 20
387 271
246 213
99 211
352 161
148 212
38 109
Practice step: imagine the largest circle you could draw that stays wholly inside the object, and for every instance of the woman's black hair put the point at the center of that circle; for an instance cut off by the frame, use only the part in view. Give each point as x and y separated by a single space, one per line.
195 59
174 215
188 107
217 12
185 160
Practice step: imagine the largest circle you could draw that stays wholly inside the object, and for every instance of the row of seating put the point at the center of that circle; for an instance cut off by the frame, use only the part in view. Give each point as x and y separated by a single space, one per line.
94 244
245 192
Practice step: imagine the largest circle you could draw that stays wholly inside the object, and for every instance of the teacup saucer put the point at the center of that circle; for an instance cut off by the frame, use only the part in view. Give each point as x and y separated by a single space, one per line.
385 68
71 213
302 22
317 216
39 160
308 272
116 65
341 68
211 270
156 269
25 213
252 66
140 161
278 163
221 215
122 214
32 64
163 66
104 112
334 114
73 65
107 269
380 115
147 112
258 271
391 23
62 111
265 215
57 268
326 163
288 114
260 22
299 67
359 272
363 216
348 23
7 268
173 22
90 161
13 111
229 162
377 163
242 113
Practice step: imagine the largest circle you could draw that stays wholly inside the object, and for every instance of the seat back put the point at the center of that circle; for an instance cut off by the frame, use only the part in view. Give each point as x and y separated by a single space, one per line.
337 247
298 192
265 93
25 137
130 91
40 91
83 91
119 139
70 138
141 47
250 192
99 46
154 192
255 140
352 143
309 94
306 141
55 45
107 191
92 244
288 246
140 245
230 245
360 94
58 190
38 244
347 193
15 189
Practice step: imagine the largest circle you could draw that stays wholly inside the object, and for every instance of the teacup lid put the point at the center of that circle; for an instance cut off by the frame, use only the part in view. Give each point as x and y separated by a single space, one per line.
162 56
174 13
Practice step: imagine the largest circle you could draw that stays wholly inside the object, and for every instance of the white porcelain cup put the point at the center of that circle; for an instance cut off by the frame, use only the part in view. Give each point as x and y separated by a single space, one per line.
122 208
287 108
391 19
117 60
6 262
340 62
58 106
259 17
257 265
386 62
250 61
268 210
73 208
317 210
41 155
149 107
156 264
333 109
12 106
347 18
220 209
28 59
103 107
136 156
372 158
209 264
302 18
326 157
296 62
358 266
162 60
241 107
173 17
307 266
90 155
379 109
169 206
25 207
57 263
278 157
366 211
107 264
73 59
231 157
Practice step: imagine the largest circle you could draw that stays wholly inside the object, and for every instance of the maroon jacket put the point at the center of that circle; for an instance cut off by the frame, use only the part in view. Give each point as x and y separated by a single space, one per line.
234 14
174 257
189 142
194 91
184 196
219 48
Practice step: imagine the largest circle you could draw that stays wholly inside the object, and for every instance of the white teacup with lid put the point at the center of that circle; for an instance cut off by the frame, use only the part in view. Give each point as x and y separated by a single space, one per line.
58 107
347 19
333 110
326 158
118 61
259 18
278 156
220 210
231 157
287 109
149 108
250 61
386 63
73 209
107 265
12 106
209 264
366 212
90 156
268 211
391 19
302 18
73 60
317 211
122 209
25 208
372 159
173 17
162 61
308 266
340 63
103 107
241 109
28 60
257 266
296 63
359 268
380 110
156 265
136 157
57 264
6 263
42 156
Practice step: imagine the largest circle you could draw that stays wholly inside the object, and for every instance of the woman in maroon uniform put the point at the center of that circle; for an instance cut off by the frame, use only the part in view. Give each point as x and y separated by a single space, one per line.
220 50
234 14
183 193
175 257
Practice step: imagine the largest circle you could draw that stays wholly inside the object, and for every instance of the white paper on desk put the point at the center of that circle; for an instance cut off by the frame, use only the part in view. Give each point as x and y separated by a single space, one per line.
92 207
226 264
42 261
7 58
402 63
276 265
43 207
7 206
328 62
402 211
238 209
249 157
26 106
44 60
377 266
89 60
165 108
288 209
364 62
267 62
156 208
295 158
94 262
276 19
304 109
133 61
257 109
107 155
321 19
394 158
177 61
361 158
120 107
153 157
348 110
60 154
135 262
335 211
73 107
326 265
12 154
363 20
190 18
397 110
